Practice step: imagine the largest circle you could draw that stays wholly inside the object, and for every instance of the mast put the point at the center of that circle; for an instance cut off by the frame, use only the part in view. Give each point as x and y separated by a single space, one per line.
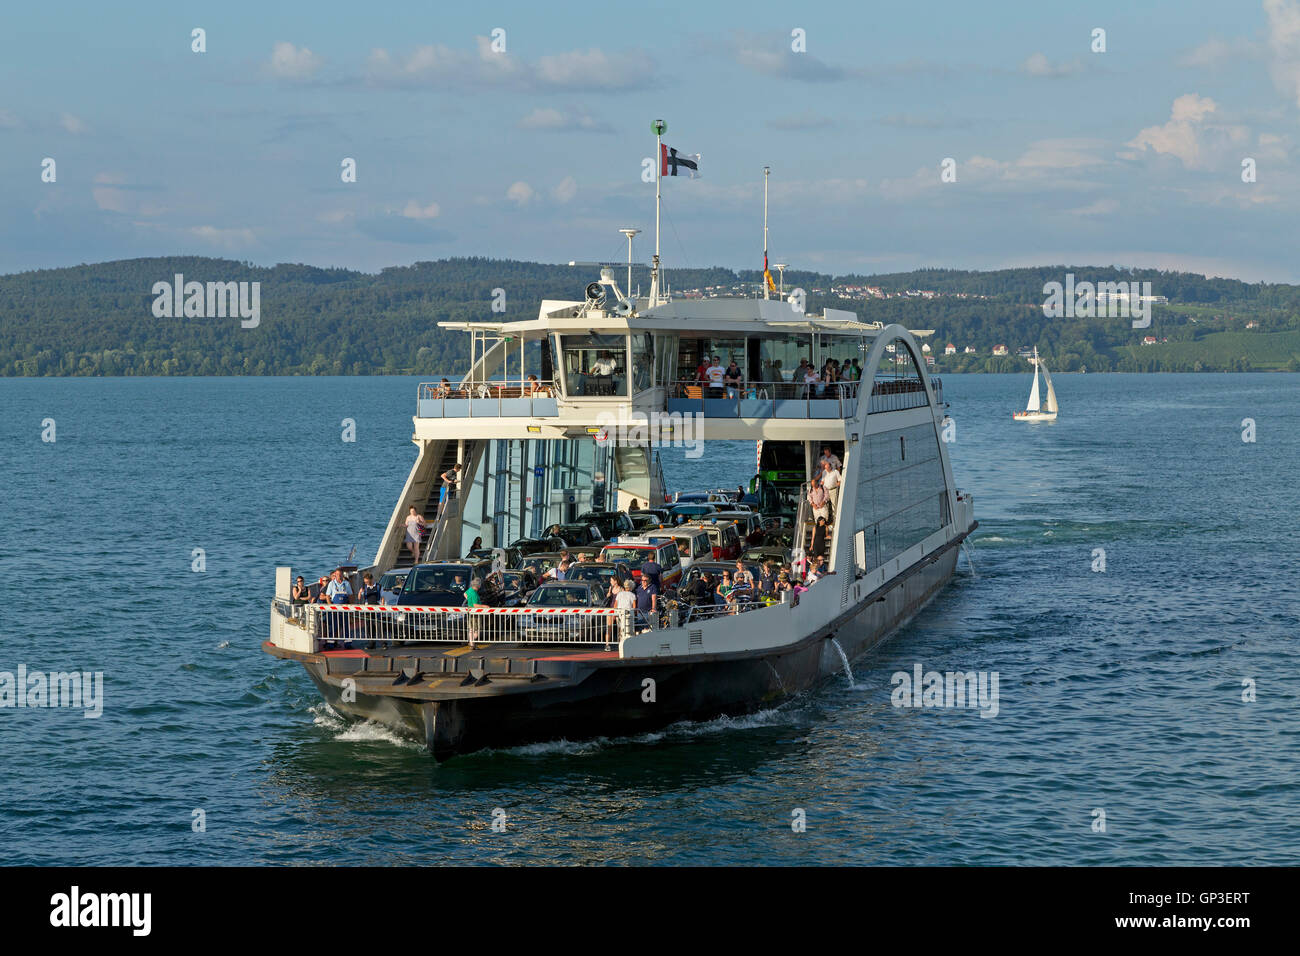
766 171
658 127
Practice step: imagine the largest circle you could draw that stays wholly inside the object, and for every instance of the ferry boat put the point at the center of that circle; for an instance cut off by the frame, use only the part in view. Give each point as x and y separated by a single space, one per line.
562 415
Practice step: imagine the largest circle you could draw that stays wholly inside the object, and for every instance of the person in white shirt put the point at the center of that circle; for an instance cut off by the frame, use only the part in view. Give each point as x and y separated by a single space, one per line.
831 484
623 600
715 373
812 381
828 455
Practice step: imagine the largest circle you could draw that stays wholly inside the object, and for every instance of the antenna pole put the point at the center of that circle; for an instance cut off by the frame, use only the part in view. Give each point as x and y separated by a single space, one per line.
658 127
766 171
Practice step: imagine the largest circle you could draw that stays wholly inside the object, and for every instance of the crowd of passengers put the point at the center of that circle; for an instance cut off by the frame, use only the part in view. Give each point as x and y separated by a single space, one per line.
729 381
711 591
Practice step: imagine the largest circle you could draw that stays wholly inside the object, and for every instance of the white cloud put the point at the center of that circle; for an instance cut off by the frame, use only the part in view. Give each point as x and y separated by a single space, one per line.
1192 135
1215 52
1284 46
293 63
1039 65
594 69
771 55
565 190
1102 207
225 238
438 65
72 124
413 210
520 193
800 121
548 118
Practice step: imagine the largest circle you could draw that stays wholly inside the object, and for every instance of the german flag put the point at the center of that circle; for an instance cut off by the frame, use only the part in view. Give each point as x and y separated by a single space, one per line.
767 274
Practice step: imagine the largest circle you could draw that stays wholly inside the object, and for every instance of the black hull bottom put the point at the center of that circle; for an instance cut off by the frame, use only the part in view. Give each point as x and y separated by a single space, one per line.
629 699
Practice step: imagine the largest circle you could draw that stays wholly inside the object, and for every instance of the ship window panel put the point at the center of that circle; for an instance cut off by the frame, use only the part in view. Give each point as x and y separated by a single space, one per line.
666 359
779 356
594 365
642 361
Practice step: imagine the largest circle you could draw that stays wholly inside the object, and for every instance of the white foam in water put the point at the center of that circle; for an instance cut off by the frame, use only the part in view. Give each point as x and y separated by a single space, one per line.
365 731
368 732
223 644
682 730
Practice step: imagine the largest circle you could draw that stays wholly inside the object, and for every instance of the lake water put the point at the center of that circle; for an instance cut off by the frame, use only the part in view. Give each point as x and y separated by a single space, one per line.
1120 690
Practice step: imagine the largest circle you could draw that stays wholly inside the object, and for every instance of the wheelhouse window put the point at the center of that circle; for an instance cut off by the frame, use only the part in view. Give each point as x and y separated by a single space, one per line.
596 365
642 361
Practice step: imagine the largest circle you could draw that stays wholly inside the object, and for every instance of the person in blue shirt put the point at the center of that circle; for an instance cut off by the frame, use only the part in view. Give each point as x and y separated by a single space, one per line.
651 571
645 600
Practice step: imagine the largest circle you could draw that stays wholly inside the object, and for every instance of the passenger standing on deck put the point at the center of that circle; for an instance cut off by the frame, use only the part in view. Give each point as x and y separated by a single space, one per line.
818 548
622 600
450 481
831 482
716 374
369 593
471 601
812 382
645 602
818 500
338 590
733 378
414 533
651 570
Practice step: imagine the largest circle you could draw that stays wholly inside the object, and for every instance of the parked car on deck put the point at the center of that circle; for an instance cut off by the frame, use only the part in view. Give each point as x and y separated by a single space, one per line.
538 621
610 523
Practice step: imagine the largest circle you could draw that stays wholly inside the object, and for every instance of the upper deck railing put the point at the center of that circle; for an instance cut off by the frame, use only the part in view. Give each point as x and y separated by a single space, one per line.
818 400
526 399
895 394
765 399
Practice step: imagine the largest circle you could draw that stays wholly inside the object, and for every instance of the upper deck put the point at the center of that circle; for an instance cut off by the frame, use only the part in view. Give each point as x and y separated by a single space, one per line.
744 365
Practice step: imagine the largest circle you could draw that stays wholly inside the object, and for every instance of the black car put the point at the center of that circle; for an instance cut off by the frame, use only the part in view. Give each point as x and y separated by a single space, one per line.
507 588
512 554
539 563
599 572
646 522
577 533
661 516
441 584
527 546
610 523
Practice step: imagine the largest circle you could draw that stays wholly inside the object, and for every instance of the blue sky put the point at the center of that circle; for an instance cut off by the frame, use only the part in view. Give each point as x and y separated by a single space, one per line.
1132 156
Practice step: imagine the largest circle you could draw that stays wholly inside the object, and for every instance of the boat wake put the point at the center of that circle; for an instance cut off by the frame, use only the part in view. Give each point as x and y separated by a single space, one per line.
364 731
680 731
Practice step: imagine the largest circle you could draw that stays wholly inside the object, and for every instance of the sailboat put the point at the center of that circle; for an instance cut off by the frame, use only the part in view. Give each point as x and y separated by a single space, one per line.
1034 412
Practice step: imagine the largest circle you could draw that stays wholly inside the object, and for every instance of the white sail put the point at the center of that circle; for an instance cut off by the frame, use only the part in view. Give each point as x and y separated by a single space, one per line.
1033 394
1051 392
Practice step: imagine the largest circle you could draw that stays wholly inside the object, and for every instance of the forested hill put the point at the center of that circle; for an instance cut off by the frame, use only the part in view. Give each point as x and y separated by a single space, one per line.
100 319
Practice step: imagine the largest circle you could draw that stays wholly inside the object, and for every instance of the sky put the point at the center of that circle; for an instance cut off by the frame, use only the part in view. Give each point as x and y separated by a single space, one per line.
519 131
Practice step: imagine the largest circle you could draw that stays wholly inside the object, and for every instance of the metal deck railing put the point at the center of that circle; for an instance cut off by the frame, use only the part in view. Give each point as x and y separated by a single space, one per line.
341 624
